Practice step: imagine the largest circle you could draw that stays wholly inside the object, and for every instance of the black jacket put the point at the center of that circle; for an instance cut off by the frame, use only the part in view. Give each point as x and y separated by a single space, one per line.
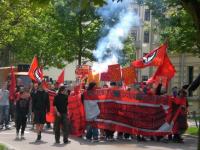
40 101
22 107
61 102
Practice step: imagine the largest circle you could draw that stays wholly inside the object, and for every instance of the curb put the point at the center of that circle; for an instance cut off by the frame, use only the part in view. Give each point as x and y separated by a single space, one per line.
192 136
8 147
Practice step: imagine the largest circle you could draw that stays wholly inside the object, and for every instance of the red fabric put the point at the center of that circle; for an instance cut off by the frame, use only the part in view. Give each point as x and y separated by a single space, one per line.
122 116
166 70
128 75
105 76
60 79
153 58
82 71
35 72
76 115
134 117
12 84
50 116
114 72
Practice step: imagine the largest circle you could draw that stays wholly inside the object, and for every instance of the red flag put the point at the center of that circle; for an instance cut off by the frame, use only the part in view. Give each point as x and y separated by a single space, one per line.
166 70
153 58
35 72
60 79
12 84
114 72
128 75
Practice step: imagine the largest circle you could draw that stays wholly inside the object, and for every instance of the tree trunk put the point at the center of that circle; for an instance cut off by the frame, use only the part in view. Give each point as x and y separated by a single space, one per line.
5 56
193 8
80 29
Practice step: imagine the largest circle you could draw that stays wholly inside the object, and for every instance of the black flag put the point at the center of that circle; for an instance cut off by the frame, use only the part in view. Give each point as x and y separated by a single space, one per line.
195 84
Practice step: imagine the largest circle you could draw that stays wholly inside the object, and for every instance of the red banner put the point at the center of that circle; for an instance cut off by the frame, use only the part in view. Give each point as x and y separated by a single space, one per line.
82 71
76 115
124 111
128 75
134 113
105 76
114 72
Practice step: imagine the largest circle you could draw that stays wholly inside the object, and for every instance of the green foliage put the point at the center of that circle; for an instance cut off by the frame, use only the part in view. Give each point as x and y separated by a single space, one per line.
80 26
128 52
177 25
57 33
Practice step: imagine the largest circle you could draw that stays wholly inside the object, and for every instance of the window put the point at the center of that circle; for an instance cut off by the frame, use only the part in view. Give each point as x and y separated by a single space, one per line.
135 11
146 36
147 15
190 77
144 78
134 34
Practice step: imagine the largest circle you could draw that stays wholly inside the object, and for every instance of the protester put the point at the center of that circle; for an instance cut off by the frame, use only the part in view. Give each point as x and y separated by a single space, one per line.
33 91
40 106
181 121
92 132
4 107
60 106
175 91
22 110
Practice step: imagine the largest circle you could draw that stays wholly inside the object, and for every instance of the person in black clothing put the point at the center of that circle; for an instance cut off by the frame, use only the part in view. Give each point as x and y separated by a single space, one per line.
32 93
40 106
22 109
60 105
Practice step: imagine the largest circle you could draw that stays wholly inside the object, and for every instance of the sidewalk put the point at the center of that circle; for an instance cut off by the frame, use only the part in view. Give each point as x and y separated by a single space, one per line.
8 137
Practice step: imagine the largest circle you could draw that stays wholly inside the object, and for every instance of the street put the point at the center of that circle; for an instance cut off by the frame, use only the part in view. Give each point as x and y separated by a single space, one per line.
7 137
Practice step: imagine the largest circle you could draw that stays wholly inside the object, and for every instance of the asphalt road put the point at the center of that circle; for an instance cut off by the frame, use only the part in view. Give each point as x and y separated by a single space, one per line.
8 137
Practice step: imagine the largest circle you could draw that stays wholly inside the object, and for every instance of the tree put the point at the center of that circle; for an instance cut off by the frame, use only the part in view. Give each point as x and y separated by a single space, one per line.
177 25
57 33
13 15
80 26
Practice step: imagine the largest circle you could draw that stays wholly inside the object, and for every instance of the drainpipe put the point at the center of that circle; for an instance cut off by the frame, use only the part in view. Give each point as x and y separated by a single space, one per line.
181 75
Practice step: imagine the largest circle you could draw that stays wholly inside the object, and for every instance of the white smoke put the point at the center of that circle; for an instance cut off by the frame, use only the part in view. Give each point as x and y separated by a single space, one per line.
110 46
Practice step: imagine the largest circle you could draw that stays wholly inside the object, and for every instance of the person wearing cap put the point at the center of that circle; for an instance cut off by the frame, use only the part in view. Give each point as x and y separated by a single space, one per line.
60 105
40 106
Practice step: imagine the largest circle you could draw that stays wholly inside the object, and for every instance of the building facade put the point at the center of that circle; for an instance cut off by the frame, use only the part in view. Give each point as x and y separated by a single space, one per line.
145 37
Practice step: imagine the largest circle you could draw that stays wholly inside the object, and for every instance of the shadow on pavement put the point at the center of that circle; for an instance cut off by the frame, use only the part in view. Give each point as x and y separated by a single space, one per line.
38 143
59 145
188 143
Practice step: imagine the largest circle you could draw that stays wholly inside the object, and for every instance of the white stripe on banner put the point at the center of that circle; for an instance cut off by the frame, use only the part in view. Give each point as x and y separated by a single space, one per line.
129 103
166 127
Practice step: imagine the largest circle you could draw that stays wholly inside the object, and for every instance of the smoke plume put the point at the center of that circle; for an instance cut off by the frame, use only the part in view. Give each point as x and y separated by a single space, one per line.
119 18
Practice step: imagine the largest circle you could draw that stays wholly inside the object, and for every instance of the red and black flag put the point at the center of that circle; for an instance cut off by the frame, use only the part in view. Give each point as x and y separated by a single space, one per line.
35 72
153 58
